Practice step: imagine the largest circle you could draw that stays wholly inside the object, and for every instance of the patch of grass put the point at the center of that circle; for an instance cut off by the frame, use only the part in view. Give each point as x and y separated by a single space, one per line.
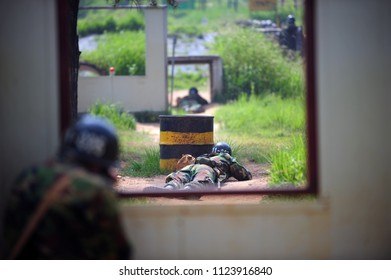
147 167
289 163
114 113
268 129
133 145
263 117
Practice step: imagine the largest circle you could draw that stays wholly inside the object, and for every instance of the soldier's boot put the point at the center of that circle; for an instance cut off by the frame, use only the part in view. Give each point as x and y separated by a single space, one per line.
198 186
172 185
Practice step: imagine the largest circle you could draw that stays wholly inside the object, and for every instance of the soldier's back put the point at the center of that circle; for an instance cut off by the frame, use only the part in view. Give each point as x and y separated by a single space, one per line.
81 223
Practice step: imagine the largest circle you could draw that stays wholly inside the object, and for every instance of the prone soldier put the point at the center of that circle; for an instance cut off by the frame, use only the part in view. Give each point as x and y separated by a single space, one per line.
207 172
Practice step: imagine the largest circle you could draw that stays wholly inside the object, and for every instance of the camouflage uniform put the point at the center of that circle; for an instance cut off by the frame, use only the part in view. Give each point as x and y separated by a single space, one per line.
83 223
207 170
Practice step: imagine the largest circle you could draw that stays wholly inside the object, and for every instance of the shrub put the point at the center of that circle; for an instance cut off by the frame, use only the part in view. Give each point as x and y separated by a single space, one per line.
114 113
255 64
125 51
99 22
132 22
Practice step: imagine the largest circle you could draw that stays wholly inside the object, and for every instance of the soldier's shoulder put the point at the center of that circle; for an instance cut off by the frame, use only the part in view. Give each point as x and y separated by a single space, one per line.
87 182
37 179
78 176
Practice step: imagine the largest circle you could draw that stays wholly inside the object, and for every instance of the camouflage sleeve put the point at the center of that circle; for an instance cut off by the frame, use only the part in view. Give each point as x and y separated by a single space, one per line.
205 160
239 172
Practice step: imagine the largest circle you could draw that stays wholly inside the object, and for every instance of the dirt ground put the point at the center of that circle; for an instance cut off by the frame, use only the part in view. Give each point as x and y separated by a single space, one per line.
259 172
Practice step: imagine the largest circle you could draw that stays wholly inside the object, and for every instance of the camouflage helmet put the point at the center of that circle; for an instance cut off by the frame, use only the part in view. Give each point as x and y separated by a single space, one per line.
221 147
91 140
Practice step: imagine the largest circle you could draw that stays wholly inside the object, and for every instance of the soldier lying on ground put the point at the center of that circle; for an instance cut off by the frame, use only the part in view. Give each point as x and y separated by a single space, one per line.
66 208
206 173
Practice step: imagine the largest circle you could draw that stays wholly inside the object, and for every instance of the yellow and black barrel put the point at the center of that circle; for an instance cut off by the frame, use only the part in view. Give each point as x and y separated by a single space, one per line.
184 135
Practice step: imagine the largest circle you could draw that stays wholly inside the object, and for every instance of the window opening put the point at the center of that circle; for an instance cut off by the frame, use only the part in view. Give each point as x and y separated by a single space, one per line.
307 46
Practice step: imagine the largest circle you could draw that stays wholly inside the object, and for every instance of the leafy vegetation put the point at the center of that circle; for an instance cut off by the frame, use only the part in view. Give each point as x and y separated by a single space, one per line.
100 22
289 163
149 166
115 49
254 64
115 114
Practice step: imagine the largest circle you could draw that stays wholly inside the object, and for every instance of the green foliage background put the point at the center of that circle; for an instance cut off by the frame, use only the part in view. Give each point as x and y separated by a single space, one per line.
256 64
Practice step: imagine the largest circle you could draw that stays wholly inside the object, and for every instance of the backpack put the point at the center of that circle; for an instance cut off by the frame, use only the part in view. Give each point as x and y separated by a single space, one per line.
185 160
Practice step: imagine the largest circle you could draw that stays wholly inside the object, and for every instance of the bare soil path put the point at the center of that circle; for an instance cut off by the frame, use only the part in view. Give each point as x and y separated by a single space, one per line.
259 172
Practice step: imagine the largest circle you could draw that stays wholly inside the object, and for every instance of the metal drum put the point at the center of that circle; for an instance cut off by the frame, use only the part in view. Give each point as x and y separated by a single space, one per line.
184 135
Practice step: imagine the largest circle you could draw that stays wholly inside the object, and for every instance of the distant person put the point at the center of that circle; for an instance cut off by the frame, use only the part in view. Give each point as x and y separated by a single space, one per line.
207 172
292 36
193 102
66 207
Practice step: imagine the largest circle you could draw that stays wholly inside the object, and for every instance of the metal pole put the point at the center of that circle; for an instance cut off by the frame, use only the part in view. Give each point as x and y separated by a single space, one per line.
172 73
